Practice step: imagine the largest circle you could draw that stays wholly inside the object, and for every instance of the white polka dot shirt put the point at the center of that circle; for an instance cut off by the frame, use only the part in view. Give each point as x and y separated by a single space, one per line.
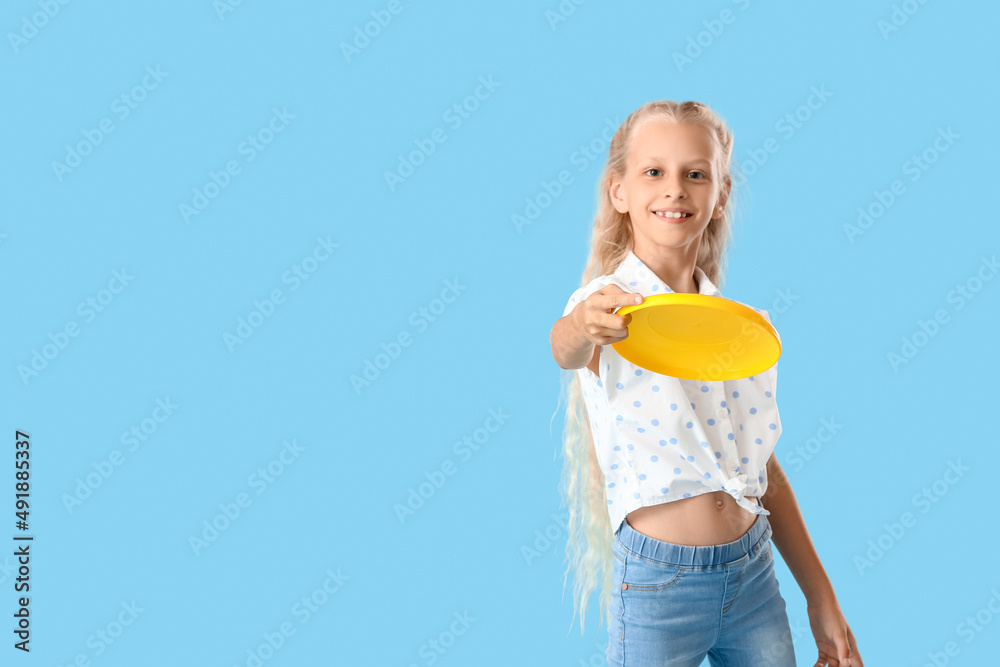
660 438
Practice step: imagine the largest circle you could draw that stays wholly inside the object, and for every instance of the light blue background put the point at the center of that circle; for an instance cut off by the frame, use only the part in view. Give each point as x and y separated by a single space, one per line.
323 175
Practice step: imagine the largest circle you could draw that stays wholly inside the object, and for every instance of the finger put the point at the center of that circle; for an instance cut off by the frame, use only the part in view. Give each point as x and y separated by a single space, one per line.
856 660
607 335
844 655
622 321
614 324
846 648
600 316
828 660
612 288
615 297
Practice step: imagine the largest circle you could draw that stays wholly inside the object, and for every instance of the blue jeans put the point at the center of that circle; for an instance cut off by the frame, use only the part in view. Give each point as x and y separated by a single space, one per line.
674 604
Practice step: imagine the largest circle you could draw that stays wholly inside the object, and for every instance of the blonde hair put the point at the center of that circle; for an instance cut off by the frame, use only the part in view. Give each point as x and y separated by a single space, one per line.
588 548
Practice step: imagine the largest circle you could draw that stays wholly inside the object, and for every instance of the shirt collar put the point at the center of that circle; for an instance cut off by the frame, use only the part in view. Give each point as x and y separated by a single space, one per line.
635 276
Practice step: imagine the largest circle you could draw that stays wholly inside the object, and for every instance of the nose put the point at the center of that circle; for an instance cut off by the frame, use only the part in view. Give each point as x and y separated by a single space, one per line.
673 186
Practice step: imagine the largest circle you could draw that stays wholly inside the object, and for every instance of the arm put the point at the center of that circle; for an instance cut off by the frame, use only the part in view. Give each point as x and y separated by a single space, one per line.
570 348
835 641
792 538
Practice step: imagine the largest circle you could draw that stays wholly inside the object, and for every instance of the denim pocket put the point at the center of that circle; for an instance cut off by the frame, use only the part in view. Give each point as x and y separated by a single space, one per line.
643 574
764 553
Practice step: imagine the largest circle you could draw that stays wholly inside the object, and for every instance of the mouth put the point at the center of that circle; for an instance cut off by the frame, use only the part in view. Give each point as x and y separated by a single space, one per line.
673 215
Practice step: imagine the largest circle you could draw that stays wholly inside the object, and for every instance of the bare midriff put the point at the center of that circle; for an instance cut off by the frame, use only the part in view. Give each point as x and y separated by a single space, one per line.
702 520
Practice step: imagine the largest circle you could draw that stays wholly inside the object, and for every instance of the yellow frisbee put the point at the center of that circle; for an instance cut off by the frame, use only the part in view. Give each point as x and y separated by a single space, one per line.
698 337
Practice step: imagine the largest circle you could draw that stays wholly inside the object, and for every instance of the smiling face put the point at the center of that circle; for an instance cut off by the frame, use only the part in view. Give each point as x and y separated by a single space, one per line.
671 172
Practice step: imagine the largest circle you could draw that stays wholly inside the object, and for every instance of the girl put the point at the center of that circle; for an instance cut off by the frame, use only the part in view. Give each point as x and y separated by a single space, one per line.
683 468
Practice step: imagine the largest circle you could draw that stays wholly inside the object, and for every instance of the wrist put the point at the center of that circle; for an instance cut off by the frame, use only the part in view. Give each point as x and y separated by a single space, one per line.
579 343
569 348
822 596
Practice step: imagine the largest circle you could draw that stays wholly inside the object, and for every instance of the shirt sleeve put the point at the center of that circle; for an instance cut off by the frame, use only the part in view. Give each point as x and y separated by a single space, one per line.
582 293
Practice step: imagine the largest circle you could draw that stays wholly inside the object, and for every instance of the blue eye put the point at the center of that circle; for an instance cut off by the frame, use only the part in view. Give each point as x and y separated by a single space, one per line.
700 174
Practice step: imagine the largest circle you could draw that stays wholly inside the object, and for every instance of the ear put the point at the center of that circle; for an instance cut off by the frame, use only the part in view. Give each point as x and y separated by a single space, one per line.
615 192
723 198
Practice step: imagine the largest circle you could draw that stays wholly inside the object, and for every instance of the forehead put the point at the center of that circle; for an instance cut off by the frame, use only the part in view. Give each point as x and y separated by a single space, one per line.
668 141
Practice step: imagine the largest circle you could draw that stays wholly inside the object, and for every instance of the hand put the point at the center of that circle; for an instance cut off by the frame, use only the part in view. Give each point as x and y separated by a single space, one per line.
834 639
595 319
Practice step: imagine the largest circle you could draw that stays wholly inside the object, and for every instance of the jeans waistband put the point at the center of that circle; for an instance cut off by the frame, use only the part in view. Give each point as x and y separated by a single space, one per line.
683 554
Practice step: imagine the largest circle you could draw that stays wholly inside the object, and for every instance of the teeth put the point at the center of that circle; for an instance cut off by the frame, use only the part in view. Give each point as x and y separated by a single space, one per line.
667 214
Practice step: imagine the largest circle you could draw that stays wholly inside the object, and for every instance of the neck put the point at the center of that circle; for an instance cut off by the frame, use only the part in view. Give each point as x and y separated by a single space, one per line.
676 272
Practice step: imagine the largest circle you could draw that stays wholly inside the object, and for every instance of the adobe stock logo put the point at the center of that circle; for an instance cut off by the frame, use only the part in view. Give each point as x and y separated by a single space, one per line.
438 477
545 539
87 309
968 629
585 154
122 106
304 609
38 20
249 148
562 13
105 636
434 648
790 123
454 116
223 7
915 167
381 18
923 500
714 28
926 330
105 468
807 451
295 276
420 319
899 17
229 511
